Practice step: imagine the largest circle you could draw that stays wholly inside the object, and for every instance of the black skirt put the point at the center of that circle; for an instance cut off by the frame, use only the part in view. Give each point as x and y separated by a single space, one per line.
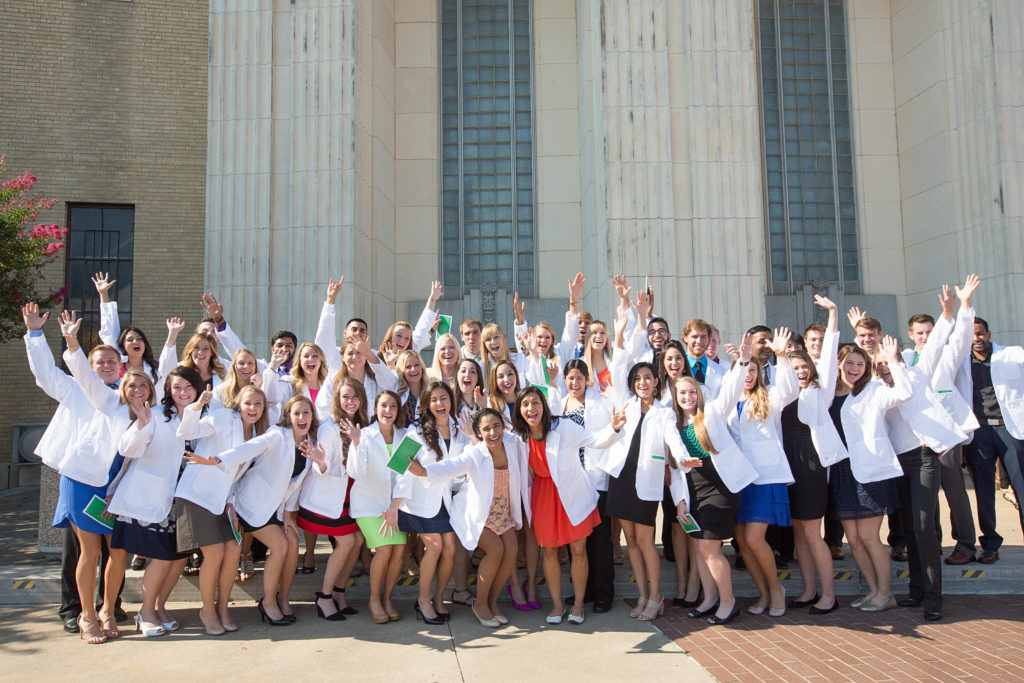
712 504
198 527
155 541
438 524
854 500
808 494
623 503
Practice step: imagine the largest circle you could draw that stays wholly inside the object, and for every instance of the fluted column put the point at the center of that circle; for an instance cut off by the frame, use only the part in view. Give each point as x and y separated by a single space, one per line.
678 154
281 160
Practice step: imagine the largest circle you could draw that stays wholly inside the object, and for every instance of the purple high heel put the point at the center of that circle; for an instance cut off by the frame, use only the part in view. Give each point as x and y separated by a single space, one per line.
521 606
532 603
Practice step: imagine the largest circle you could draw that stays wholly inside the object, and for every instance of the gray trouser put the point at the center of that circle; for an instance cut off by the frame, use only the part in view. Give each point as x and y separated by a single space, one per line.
961 518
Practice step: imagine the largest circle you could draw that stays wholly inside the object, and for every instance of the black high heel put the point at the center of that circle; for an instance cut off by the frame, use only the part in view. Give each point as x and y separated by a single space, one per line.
697 613
269 619
337 616
290 618
347 609
424 617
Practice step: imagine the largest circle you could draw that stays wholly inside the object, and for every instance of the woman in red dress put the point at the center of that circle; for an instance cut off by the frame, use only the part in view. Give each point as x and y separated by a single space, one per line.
563 501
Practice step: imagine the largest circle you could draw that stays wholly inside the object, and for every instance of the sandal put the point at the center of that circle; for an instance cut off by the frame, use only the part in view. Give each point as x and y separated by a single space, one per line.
110 629
1010 498
640 604
89 630
138 563
652 611
246 569
346 609
307 569
192 566
467 601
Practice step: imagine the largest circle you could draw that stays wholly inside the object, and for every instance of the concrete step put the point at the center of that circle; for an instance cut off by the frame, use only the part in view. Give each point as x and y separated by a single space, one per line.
41 584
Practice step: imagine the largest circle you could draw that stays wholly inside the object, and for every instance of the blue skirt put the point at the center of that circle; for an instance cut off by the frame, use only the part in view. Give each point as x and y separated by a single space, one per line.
438 524
764 504
74 497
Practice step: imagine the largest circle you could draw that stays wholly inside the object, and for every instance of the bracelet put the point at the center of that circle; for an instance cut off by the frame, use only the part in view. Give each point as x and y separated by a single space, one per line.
742 364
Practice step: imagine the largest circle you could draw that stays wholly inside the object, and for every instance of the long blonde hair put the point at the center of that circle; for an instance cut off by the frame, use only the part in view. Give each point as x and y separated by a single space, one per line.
589 352
403 360
490 331
494 397
435 371
231 388
700 429
298 378
554 337
758 406
263 423
215 365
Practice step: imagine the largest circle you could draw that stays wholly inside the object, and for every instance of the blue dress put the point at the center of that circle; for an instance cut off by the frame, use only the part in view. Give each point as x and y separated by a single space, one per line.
75 497
763 503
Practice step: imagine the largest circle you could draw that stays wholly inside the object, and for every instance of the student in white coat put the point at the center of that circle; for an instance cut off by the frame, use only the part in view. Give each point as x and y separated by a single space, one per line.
411 379
72 417
994 378
812 444
243 371
488 508
863 486
136 352
401 336
562 350
86 472
372 501
597 354
563 502
503 385
494 348
202 492
637 464
308 377
265 497
446 360
200 354
709 374
143 496
713 482
425 507
756 425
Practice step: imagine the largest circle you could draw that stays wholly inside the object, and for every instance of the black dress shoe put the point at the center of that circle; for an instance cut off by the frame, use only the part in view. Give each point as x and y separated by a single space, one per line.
696 613
818 610
121 616
683 602
932 616
800 604
602 606
71 623
909 602
716 620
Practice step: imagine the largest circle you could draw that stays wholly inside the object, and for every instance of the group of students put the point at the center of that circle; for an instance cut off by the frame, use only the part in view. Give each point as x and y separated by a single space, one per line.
559 441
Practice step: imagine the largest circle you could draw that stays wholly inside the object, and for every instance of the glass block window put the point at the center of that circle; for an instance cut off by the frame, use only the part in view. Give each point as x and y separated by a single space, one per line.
487 217
808 152
101 237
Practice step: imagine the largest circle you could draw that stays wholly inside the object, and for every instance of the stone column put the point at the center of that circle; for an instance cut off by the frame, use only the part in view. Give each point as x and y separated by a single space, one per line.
281 160
677 152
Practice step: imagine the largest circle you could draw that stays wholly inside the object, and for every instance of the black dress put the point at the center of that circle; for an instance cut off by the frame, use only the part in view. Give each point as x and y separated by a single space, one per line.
808 494
623 503
852 499
712 504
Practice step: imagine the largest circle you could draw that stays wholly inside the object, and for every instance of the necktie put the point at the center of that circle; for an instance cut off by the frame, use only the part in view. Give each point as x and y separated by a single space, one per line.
698 371
916 356
767 374
112 385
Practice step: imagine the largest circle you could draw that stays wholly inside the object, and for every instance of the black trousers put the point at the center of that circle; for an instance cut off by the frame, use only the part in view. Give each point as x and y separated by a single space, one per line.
601 578
919 499
70 605
833 526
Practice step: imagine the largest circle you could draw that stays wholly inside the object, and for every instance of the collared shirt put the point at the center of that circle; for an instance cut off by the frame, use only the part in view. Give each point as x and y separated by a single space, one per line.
468 355
695 363
986 406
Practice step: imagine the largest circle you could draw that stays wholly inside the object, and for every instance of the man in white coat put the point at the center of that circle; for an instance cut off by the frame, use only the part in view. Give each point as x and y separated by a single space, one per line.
996 378
697 338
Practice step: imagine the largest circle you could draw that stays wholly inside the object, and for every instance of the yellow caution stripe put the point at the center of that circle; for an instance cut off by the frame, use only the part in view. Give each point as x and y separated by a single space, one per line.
24 584
784 575
972 573
842 575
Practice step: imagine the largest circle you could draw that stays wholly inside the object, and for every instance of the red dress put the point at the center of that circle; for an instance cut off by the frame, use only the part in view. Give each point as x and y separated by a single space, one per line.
551 524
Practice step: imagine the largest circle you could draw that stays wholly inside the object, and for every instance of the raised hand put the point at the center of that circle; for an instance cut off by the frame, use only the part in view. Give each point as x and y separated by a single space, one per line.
333 288
364 348
947 301
103 284
967 291
746 348
350 429
436 291
213 308
618 418
576 287
831 307
890 349
478 397
519 308
142 412
731 350
30 314
621 321
390 354
174 327
465 426
622 290
193 459
779 341
277 360
854 315
313 452
256 380
69 326
643 307
204 398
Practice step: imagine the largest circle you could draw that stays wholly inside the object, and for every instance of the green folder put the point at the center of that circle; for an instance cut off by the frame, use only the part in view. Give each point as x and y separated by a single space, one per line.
405 452
688 523
443 327
546 390
95 511
234 529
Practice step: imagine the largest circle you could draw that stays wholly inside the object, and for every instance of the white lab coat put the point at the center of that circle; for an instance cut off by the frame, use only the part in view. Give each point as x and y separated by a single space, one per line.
472 505
597 412
421 497
323 491
762 441
374 482
730 462
872 457
153 455
814 402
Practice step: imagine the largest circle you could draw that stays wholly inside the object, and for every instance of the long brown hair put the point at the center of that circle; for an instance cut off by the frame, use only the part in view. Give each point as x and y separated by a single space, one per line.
343 372
460 399
757 400
286 418
426 420
812 378
859 385
359 419
700 429
494 397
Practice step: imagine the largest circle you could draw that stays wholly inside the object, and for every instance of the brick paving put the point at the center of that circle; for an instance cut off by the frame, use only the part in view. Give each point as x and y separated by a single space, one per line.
979 638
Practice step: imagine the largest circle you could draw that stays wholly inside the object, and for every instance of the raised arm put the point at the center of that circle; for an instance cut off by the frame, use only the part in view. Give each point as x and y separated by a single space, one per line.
963 333
326 329
900 391
732 385
421 333
99 394
110 325
55 383
785 388
138 436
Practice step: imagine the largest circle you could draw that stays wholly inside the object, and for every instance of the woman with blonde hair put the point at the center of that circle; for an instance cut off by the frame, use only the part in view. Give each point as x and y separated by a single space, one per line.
243 371
502 387
446 360
494 345
200 354
755 423
597 354
410 371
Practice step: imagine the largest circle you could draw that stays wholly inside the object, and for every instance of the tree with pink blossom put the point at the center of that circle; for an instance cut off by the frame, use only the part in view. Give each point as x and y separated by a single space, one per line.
24 251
